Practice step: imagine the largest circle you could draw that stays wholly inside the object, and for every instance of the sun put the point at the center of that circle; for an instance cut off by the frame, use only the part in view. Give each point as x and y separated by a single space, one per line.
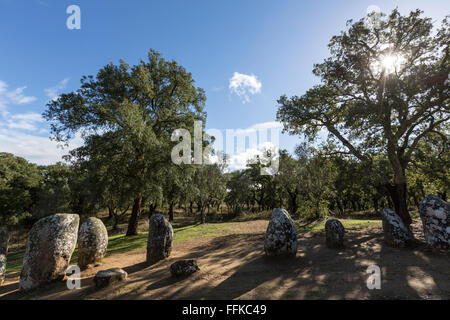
390 63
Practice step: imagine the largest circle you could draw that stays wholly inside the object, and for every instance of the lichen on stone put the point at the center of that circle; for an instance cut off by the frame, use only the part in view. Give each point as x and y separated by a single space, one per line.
160 238
281 235
92 242
50 246
435 215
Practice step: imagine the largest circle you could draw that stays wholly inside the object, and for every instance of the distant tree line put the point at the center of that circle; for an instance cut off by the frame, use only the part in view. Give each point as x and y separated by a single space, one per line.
310 184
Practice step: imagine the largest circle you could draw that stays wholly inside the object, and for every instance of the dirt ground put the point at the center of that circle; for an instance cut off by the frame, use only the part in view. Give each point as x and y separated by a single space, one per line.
233 266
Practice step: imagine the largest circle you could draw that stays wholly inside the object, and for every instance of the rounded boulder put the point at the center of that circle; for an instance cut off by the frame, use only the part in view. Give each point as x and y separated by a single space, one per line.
396 233
435 216
92 242
50 246
281 236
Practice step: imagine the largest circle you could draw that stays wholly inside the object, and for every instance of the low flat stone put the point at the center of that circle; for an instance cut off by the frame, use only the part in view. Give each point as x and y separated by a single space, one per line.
105 278
184 268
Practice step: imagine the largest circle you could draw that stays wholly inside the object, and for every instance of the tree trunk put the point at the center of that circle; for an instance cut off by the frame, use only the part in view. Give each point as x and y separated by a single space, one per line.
134 219
353 205
110 213
293 203
152 209
171 212
398 196
116 222
339 205
375 203
202 215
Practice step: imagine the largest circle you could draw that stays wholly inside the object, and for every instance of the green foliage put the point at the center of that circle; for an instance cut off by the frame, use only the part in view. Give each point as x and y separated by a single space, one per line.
372 109
19 184
54 194
127 116
209 183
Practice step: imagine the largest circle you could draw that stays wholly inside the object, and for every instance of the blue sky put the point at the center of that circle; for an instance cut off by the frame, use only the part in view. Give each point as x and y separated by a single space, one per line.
258 49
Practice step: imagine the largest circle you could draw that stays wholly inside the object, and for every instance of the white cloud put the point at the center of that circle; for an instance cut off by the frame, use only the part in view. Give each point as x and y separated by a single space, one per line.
260 127
15 140
239 161
12 97
36 149
53 92
24 121
244 85
242 145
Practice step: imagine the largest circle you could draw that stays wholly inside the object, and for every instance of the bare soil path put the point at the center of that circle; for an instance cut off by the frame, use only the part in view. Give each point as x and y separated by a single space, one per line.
233 267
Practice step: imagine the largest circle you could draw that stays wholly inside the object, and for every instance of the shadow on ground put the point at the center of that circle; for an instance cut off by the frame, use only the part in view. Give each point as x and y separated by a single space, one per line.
234 267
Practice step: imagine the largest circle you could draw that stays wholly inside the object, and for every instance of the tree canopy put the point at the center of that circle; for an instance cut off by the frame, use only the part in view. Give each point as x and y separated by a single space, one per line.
134 110
384 90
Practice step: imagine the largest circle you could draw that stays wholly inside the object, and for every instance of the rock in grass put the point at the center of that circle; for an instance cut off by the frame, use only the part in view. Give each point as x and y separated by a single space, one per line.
396 233
334 231
105 278
51 243
4 238
435 215
160 238
184 268
92 242
281 236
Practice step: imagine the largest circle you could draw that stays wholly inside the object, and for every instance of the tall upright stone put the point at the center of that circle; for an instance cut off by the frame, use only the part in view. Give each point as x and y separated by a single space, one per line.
50 246
435 215
160 238
396 233
281 236
92 242
4 239
334 232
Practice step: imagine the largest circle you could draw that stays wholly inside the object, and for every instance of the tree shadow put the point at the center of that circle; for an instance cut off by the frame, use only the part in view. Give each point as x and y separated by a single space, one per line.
234 267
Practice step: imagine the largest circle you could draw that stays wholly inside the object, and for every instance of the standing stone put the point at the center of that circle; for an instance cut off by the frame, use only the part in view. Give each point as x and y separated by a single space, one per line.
51 243
395 231
281 236
334 231
160 238
92 242
4 238
435 215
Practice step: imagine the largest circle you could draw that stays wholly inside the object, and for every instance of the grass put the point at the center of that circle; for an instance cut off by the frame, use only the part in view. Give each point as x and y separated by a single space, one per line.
350 224
182 232
122 244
